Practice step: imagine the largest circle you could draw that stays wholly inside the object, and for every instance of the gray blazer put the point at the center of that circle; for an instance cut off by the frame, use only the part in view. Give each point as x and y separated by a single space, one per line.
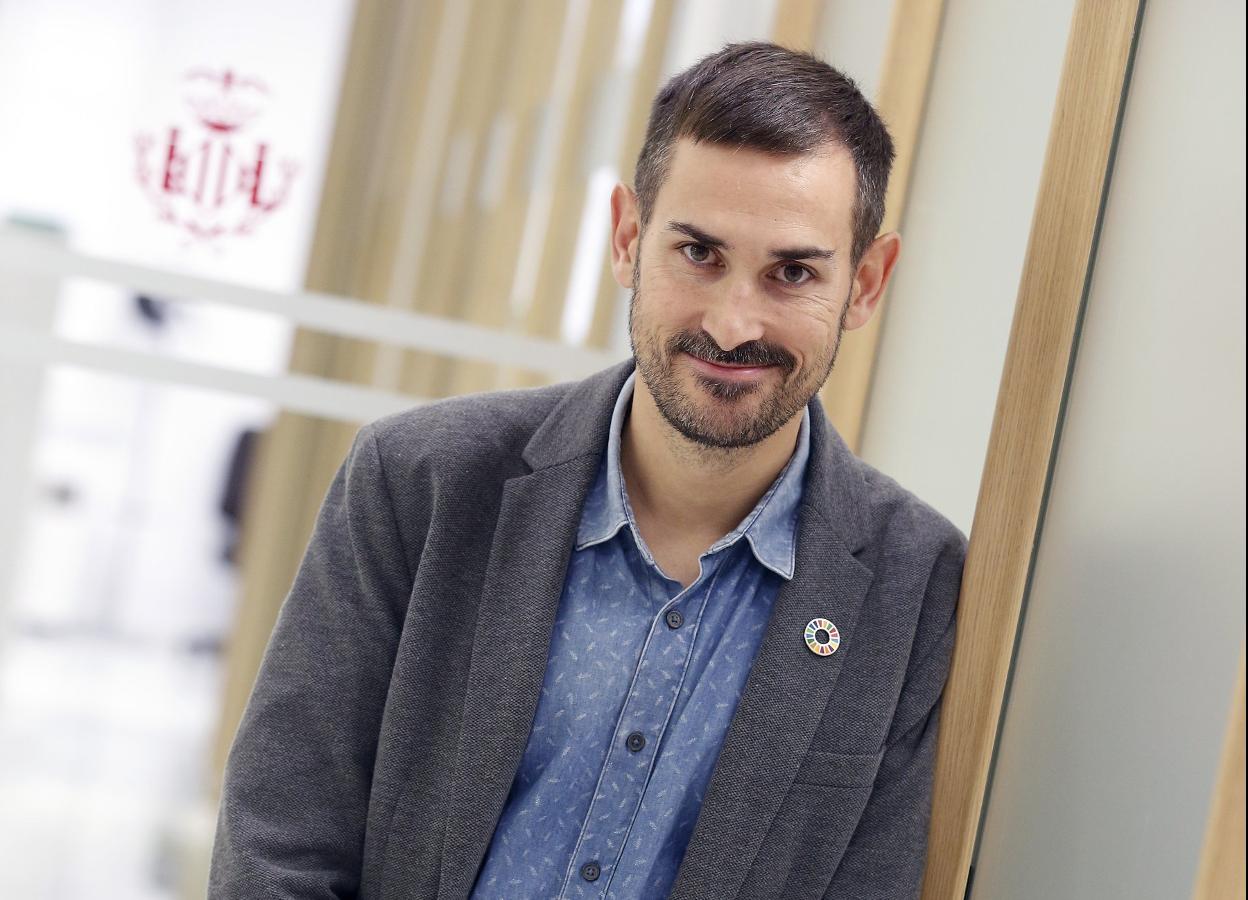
398 686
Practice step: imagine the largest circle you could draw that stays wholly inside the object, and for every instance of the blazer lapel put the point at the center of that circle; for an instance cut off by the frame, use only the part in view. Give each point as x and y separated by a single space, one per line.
524 581
788 687
537 525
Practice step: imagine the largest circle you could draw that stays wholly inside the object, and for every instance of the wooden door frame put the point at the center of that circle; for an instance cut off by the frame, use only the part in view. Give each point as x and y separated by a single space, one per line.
1023 444
1221 871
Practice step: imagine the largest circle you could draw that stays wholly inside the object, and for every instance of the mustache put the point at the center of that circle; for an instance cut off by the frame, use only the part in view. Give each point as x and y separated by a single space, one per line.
752 353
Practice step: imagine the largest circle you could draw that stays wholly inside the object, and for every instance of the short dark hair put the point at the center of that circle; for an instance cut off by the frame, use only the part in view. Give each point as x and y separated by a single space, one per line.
765 97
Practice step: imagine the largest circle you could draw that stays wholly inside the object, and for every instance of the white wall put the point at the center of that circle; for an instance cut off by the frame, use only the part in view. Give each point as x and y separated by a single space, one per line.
947 315
1135 618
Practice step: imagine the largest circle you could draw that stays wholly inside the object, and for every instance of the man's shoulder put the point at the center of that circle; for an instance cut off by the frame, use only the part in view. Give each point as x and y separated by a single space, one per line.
472 430
901 522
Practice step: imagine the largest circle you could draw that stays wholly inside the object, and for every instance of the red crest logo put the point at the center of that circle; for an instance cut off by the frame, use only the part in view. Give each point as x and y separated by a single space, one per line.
206 177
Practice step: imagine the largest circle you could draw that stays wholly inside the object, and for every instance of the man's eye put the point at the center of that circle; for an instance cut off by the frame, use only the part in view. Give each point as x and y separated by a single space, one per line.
696 253
795 274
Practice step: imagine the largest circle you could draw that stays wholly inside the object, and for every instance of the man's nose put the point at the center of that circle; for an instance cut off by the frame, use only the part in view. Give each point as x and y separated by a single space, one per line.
735 314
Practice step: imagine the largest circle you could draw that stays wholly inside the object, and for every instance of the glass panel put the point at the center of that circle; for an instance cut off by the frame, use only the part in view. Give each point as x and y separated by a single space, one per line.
1131 636
947 321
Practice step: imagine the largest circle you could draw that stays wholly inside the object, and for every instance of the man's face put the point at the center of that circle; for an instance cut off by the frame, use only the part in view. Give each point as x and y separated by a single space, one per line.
742 284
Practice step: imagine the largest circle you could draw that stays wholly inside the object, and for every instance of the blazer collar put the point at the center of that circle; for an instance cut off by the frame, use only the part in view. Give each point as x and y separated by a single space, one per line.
580 425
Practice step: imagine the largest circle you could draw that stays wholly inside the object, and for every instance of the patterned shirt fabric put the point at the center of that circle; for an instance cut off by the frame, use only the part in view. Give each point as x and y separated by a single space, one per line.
642 680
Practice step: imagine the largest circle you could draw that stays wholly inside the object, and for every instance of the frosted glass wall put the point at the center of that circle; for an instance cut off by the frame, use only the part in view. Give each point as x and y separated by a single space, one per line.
1135 618
964 236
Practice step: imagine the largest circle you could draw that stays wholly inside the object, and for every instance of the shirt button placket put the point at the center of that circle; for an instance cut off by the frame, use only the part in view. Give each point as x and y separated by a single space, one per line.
635 741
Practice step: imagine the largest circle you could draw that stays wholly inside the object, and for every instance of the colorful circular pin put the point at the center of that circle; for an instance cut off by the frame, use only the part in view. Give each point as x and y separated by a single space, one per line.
822 637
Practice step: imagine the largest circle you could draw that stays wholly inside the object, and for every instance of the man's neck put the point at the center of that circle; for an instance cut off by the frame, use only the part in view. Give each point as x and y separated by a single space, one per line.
683 487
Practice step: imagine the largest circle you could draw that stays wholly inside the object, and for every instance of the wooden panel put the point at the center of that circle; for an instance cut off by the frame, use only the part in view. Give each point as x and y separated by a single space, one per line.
796 23
297 456
645 83
449 248
525 99
411 188
908 56
1221 872
543 308
1022 442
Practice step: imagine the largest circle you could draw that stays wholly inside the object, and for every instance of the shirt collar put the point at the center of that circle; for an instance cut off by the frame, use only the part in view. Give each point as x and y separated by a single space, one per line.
770 528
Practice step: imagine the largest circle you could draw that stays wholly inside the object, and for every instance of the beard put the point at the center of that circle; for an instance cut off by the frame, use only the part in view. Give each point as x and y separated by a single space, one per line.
726 418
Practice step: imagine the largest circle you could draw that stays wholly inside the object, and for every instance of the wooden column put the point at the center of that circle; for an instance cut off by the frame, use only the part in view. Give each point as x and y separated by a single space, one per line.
907 68
544 309
449 253
1221 872
1023 439
796 23
645 82
506 196
355 239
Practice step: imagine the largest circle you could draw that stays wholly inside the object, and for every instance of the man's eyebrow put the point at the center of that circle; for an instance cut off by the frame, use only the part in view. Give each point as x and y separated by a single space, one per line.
709 240
697 234
803 253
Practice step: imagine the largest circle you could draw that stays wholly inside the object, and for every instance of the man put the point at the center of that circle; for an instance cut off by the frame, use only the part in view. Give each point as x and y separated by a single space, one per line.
654 633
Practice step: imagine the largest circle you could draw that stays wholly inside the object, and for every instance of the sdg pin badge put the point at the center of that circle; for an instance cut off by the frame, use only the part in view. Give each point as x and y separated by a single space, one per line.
822 637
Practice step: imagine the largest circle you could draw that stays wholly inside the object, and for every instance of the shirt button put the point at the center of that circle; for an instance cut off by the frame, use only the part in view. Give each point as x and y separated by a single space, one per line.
590 871
674 618
635 741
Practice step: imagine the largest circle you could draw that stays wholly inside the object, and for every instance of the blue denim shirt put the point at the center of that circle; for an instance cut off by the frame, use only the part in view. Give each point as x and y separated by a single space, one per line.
642 680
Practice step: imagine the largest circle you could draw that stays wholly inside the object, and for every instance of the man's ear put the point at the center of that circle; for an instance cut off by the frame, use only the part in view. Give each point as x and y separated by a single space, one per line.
871 278
625 234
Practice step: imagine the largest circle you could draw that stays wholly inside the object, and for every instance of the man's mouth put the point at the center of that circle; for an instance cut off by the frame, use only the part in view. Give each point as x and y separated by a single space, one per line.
729 371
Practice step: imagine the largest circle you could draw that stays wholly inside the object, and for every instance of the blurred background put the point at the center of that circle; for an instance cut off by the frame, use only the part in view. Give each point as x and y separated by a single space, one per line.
232 232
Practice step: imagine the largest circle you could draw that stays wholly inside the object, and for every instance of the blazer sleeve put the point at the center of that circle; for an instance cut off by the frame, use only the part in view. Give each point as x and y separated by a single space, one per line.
297 778
886 855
